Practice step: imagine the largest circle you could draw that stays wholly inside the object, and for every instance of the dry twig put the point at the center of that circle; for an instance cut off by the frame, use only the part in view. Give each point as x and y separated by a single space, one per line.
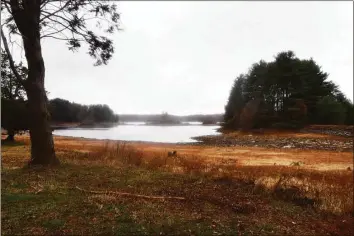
129 194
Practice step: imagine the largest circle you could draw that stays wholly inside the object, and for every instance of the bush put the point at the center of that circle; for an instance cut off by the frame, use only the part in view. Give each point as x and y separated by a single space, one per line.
291 125
330 111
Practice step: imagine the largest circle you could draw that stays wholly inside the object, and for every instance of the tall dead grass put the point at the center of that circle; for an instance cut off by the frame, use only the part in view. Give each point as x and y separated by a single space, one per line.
330 191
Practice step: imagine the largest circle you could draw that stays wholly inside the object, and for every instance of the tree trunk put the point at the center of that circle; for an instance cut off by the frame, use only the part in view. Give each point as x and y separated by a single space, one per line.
10 136
27 15
42 145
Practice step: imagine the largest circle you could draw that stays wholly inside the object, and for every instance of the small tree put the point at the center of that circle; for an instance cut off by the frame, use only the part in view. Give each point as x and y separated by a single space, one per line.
11 88
13 117
63 20
13 106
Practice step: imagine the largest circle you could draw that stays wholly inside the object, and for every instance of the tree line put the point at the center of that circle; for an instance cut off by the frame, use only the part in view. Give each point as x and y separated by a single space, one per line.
207 118
287 92
15 114
62 110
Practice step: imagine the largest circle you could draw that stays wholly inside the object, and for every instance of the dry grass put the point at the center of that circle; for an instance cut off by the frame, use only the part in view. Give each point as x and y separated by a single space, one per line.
245 156
326 190
330 190
266 196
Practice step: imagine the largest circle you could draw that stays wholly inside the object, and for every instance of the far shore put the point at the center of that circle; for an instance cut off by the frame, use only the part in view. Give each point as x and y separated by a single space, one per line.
110 125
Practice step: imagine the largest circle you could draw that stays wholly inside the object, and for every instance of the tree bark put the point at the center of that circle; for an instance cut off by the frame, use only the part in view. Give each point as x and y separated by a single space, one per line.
42 145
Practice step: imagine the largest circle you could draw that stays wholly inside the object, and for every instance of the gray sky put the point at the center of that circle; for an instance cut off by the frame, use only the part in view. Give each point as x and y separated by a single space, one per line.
182 57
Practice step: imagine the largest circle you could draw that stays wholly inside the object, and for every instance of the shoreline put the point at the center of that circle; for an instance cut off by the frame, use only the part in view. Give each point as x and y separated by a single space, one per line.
284 140
316 137
127 141
312 159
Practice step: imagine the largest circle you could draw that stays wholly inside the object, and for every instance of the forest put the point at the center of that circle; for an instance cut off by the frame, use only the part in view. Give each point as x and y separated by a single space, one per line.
286 93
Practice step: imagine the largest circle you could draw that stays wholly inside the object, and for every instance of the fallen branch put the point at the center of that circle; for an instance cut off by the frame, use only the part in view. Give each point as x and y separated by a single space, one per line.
129 194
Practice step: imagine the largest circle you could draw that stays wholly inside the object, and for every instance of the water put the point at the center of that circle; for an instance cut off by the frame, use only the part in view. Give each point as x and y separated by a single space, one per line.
138 131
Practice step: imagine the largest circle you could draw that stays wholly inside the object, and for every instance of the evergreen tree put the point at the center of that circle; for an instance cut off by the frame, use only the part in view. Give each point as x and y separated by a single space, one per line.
285 92
235 103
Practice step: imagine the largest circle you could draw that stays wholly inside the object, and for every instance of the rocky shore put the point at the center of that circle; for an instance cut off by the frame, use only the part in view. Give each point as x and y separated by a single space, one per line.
342 131
344 142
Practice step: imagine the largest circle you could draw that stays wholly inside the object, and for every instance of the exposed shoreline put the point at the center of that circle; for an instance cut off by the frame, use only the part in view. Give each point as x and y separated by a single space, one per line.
251 155
307 139
315 137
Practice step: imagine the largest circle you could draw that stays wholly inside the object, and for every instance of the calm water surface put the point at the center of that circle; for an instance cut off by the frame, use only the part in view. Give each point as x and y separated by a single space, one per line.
138 131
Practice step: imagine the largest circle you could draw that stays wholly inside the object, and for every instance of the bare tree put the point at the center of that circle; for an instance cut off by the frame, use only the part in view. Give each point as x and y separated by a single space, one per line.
75 22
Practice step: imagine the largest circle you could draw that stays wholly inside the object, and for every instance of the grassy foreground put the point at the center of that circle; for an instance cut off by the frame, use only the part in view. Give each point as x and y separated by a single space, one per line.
89 194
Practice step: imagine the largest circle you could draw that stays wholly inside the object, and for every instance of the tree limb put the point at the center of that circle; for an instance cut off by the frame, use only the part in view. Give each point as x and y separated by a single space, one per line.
53 13
55 32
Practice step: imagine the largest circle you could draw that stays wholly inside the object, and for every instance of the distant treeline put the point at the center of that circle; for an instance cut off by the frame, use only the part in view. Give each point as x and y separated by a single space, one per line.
212 118
286 93
15 115
63 111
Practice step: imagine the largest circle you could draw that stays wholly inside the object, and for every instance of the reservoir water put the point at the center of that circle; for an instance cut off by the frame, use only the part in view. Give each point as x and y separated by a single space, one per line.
138 131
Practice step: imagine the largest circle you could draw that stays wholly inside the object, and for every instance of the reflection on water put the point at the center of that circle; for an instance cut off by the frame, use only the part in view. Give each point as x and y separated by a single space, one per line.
136 131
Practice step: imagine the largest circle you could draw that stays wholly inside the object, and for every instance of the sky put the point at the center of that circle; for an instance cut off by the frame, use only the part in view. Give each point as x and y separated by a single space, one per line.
182 57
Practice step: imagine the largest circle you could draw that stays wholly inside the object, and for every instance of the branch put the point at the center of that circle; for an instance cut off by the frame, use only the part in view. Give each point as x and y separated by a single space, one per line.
72 29
53 13
7 7
12 64
129 194
55 32
49 36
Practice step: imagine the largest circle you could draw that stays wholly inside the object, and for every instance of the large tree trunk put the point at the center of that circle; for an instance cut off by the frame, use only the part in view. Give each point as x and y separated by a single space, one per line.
42 145
27 20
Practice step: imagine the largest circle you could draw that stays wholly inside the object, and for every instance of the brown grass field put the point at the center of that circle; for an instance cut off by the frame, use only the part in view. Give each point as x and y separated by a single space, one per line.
223 190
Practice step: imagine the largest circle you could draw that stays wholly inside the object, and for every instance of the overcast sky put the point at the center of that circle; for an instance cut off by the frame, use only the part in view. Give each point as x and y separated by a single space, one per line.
182 57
